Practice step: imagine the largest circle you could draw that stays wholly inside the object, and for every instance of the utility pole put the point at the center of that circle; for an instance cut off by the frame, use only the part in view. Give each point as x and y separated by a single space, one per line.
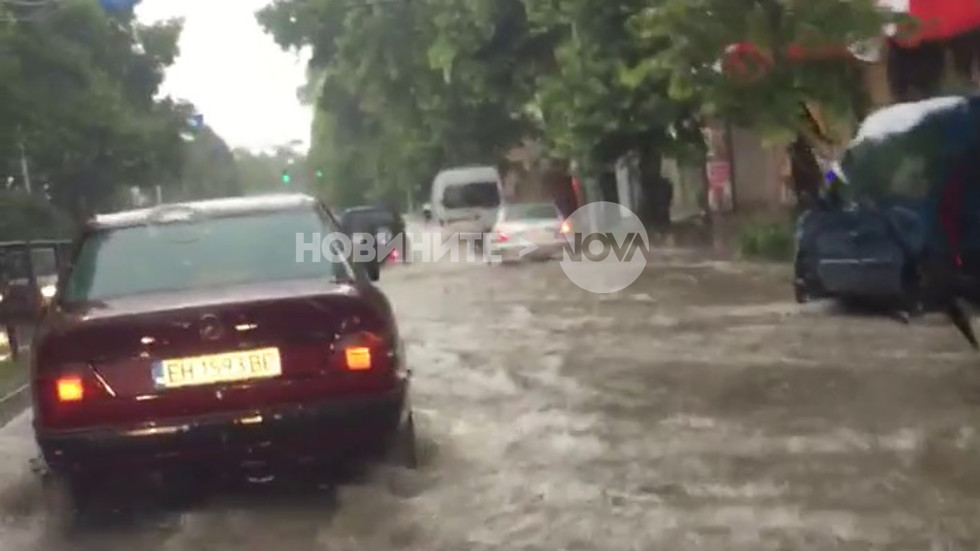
409 195
24 170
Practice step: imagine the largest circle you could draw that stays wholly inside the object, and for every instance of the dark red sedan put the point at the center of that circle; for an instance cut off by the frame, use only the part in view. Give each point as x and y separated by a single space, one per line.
214 334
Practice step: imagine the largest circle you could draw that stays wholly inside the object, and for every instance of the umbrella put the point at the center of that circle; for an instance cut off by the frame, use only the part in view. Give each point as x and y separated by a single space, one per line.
936 19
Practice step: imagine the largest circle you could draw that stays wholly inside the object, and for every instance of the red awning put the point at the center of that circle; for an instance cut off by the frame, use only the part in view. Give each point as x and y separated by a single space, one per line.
938 19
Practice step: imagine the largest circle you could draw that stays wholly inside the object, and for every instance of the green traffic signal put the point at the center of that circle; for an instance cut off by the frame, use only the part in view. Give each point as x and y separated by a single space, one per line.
286 178
319 173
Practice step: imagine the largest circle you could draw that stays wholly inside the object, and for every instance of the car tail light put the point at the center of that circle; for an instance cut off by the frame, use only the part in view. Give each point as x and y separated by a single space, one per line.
502 237
358 358
360 352
70 388
64 396
75 384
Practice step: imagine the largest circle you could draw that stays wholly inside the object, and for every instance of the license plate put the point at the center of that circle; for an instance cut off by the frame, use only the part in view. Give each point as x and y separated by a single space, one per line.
217 368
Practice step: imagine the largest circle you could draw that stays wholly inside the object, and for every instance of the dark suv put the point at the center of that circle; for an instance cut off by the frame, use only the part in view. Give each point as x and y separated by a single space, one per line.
385 225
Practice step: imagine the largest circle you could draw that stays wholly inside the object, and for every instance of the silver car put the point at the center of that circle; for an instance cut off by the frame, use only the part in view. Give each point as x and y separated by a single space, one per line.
530 231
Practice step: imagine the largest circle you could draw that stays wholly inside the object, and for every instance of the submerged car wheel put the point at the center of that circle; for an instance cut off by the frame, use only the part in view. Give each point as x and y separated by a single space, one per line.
800 288
800 294
912 299
403 449
65 500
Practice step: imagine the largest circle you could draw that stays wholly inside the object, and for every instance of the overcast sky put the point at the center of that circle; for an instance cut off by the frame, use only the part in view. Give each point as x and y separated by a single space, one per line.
242 83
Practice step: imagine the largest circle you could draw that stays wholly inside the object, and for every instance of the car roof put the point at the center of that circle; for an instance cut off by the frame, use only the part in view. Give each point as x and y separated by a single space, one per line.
466 175
228 206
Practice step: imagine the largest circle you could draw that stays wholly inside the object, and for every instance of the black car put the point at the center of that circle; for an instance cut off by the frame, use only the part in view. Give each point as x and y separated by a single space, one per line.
28 278
386 226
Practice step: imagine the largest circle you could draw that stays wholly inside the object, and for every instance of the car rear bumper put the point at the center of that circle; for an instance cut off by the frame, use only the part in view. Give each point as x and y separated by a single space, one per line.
864 277
334 430
548 249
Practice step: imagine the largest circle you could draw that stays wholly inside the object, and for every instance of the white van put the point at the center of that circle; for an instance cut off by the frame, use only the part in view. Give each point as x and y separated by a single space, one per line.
466 199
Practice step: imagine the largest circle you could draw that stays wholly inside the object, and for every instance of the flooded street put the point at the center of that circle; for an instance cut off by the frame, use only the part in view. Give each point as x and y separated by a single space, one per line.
700 409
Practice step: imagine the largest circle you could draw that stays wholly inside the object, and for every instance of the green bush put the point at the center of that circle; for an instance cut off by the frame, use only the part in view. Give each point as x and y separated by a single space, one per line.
766 241
24 216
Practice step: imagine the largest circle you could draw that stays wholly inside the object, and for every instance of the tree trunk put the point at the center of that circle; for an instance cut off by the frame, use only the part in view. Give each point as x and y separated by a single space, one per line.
657 192
704 199
806 173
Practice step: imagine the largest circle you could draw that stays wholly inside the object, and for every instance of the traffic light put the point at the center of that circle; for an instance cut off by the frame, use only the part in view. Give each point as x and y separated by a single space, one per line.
319 174
286 178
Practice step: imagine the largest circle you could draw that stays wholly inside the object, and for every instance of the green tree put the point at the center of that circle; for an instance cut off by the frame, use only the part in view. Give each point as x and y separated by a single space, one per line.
407 88
262 172
595 110
78 93
24 216
402 89
768 91
209 168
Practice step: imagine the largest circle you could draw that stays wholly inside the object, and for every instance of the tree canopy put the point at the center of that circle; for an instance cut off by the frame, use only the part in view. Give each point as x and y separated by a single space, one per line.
262 172
402 88
80 102
797 54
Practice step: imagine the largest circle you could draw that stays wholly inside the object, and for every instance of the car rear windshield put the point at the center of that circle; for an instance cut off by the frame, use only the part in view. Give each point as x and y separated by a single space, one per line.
204 253
368 220
531 212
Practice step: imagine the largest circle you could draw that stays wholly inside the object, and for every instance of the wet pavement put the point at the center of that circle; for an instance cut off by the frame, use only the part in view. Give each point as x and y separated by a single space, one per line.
700 409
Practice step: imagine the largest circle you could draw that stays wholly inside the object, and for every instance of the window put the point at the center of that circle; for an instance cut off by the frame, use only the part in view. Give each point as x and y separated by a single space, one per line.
44 260
13 265
198 254
474 195
911 176
542 211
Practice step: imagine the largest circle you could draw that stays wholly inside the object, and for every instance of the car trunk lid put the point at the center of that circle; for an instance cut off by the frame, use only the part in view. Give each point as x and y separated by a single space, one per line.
130 344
